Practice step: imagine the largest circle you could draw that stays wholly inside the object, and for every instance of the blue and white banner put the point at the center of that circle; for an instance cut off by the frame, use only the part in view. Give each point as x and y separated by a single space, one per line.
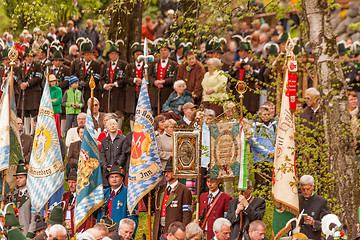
145 168
10 144
89 189
46 170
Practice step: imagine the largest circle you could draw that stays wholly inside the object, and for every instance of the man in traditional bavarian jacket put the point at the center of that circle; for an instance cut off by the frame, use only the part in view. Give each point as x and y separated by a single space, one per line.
21 198
112 80
115 198
87 68
213 205
29 80
162 76
134 74
173 202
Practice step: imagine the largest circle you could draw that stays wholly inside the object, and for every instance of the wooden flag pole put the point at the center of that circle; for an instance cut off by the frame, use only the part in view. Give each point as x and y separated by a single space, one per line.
3 189
149 214
92 86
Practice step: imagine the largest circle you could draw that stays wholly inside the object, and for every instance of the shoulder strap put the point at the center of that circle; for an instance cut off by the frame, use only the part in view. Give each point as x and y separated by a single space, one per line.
208 213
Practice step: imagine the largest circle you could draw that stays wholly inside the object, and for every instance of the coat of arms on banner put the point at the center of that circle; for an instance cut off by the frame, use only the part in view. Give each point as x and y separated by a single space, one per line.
186 154
225 150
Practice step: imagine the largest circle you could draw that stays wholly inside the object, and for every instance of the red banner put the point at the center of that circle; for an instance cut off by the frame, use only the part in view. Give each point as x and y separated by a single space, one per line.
292 90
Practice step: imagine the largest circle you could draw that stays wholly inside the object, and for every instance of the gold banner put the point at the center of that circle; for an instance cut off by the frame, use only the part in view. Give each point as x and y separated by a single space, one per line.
146 173
45 172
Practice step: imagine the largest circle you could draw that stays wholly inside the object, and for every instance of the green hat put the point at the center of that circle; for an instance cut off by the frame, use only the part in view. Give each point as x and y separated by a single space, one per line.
244 46
164 44
296 49
86 46
5 53
21 170
169 165
273 50
139 48
342 49
110 224
216 47
56 216
12 220
154 50
208 47
116 169
283 38
113 48
178 43
15 234
72 175
28 52
57 55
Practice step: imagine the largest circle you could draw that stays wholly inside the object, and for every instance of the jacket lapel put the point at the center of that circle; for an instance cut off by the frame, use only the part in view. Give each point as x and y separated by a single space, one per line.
162 195
172 196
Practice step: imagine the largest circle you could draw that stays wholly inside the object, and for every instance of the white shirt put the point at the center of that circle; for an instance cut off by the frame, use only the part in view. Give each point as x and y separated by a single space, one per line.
117 189
113 64
186 120
164 62
71 136
172 185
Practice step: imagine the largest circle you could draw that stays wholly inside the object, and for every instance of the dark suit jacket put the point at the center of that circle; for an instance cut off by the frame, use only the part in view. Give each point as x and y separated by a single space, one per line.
255 211
131 94
170 76
316 207
178 207
26 144
73 155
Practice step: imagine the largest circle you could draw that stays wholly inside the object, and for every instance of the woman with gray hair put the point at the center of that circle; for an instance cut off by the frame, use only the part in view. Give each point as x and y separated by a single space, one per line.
194 232
214 86
173 107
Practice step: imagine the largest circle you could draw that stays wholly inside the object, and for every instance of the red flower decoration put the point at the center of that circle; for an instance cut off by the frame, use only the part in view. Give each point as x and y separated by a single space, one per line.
342 233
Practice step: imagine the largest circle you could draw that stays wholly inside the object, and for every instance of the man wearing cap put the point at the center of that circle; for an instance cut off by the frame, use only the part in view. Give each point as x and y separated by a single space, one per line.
213 205
30 76
115 197
189 110
42 56
133 79
243 210
26 141
11 221
15 234
110 224
112 80
177 55
40 229
61 71
173 202
56 217
192 72
246 69
87 68
21 198
162 76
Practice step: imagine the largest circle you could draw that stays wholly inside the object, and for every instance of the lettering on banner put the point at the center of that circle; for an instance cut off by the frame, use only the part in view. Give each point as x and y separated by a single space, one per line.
144 174
48 171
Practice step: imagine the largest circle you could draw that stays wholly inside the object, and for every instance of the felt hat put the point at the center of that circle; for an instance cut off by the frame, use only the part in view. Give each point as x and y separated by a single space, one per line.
73 79
296 49
154 50
5 53
342 49
273 50
56 216
244 46
72 175
283 38
21 170
28 52
57 55
12 220
138 48
163 44
208 47
178 43
15 234
86 46
44 47
169 165
216 47
40 225
116 169
110 224
113 48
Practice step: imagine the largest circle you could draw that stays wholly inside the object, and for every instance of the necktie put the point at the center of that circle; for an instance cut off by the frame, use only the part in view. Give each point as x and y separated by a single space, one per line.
138 65
168 190
21 193
113 64
112 193
210 198
163 61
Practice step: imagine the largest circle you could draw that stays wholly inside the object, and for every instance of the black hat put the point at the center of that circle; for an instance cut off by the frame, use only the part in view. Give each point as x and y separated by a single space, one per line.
284 37
56 216
57 55
40 225
116 169
72 175
216 47
86 46
138 48
21 170
169 165
28 52
163 44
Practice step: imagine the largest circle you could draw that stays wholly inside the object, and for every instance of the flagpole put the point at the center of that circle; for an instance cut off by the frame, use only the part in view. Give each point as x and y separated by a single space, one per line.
92 86
146 57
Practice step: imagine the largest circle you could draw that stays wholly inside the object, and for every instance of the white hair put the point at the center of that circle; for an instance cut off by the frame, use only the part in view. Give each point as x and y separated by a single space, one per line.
219 223
95 100
209 112
71 48
178 83
57 228
80 115
215 62
306 179
313 92
193 230
87 235
127 221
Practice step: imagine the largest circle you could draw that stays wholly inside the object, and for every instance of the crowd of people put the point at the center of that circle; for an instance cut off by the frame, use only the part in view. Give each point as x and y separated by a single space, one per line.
184 86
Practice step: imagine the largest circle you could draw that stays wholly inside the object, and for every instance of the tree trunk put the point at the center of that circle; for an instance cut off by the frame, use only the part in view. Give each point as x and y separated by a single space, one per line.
126 25
334 103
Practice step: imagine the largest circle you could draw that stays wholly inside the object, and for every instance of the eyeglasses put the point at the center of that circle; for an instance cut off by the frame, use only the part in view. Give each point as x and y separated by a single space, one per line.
178 238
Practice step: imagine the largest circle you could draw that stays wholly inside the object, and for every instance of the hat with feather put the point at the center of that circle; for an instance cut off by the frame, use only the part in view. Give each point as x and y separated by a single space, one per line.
114 46
137 47
86 46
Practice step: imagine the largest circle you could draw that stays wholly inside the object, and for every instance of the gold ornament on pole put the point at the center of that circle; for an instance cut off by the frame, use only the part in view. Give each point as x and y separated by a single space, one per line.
92 86
241 88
